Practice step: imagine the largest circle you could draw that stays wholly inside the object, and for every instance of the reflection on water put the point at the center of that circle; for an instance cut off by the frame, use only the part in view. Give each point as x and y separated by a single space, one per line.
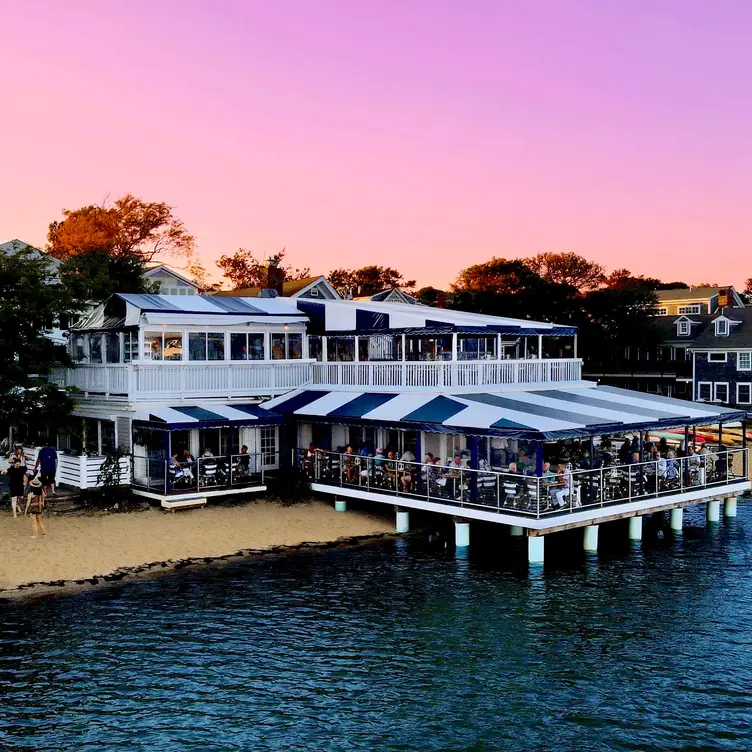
400 646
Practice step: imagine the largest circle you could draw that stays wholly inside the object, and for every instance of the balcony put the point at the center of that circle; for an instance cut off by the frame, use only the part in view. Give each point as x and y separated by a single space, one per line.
448 374
145 381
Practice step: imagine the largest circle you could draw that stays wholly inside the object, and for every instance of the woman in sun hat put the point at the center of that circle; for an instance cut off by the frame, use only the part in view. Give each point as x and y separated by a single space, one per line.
35 506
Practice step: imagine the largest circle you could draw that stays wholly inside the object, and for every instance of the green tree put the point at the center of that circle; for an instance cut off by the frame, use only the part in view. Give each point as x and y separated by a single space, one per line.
32 299
244 270
368 280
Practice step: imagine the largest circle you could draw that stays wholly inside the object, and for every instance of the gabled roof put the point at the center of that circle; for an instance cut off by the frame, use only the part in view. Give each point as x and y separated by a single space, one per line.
393 294
16 245
739 336
667 324
680 295
292 288
156 269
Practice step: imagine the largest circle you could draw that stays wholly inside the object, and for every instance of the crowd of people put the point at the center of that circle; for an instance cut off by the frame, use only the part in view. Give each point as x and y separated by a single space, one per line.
183 469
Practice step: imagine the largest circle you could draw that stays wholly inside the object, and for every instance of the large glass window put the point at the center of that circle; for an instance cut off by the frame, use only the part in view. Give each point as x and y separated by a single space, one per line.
112 341
197 346
153 347
163 345
278 346
173 346
340 349
246 346
216 345
315 349
287 346
95 348
108 436
294 346
78 347
130 346
91 435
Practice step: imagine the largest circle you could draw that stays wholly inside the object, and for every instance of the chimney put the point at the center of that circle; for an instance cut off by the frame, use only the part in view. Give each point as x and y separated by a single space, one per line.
275 278
440 299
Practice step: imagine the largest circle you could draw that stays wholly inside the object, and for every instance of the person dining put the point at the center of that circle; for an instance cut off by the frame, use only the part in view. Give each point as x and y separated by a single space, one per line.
350 465
562 488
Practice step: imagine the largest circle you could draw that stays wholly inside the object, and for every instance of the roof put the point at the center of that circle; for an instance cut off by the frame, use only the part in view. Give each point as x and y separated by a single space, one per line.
693 293
667 324
739 336
384 295
154 269
530 414
290 288
351 316
16 245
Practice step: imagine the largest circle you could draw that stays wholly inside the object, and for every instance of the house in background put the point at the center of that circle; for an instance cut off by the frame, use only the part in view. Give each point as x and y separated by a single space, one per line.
722 358
392 295
683 316
310 287
170 281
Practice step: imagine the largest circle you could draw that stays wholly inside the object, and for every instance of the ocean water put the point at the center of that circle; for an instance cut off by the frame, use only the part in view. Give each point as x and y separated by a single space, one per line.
401 645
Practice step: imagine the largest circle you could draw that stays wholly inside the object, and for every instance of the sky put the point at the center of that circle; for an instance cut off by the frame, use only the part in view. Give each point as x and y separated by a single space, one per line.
426 135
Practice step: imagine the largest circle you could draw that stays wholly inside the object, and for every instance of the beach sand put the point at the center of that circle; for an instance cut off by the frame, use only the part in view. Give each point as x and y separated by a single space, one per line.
83 546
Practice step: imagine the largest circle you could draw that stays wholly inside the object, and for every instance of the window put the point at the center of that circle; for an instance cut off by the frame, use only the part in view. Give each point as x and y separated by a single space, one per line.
314 292
206 346
744 361
721 391
721 328
78 347
269 446
689 309
163 346
246 346
717 357
744 393
181 290
682 328
130 346
287 346
661 311
704 391
112 346
95 348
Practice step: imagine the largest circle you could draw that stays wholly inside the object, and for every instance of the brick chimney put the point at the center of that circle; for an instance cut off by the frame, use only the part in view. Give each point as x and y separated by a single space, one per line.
275 277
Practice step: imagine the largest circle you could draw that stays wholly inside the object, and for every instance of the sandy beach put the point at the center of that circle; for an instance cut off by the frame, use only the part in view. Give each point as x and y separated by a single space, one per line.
81 546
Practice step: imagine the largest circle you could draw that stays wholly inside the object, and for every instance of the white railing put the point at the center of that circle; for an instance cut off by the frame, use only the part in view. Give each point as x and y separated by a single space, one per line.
184 380
81 471
448 374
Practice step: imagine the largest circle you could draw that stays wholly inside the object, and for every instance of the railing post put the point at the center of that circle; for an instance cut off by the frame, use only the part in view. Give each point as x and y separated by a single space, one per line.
82 471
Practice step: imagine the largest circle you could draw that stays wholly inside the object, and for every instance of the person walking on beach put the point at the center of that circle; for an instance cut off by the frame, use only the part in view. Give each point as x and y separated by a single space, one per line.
46 464
17 474
35 506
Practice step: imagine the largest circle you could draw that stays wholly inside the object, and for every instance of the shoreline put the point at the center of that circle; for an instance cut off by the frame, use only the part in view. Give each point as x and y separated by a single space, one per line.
149 544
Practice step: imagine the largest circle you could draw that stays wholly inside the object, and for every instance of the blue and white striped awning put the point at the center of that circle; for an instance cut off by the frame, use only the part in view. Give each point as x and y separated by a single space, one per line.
540 414
184 417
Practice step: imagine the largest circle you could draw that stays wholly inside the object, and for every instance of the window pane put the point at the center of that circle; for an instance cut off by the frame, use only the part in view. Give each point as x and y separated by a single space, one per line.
108 437
239 346
153 346
91 435
256 346
78 351
196 346
295 347
95 348
278 346
112 340
130 346
173 346
216 346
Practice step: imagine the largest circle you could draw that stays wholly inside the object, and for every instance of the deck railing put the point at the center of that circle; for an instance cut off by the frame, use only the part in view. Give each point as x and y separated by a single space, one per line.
133 381
448 373
79 471
525 495
207 474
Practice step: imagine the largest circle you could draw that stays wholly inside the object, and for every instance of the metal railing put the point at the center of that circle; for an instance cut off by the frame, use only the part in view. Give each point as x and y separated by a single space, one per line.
204 475
555 493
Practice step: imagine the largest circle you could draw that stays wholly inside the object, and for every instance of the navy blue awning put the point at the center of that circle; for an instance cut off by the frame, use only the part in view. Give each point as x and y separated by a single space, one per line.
184 417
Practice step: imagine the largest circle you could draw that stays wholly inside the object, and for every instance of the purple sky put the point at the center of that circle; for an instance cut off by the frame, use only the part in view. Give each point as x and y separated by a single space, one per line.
427 135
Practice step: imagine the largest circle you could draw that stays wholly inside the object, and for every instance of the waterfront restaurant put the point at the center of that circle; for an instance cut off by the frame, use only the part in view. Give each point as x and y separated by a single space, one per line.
514 433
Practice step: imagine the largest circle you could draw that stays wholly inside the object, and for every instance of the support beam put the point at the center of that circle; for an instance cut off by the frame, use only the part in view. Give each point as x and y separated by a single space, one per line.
635 528
535 549
590 538
729 506
515 531
713 511
461 533
676 519
403 520
340 505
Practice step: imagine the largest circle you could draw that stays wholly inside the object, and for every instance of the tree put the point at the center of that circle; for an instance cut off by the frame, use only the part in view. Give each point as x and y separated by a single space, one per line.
244 270
431 296
368 280
31 299
104 249
567 269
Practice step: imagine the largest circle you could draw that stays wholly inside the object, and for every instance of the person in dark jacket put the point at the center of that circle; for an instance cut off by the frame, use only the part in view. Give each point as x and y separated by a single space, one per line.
17 475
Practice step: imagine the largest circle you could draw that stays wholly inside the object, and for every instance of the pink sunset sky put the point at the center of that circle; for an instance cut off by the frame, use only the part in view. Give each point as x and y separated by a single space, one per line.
422 134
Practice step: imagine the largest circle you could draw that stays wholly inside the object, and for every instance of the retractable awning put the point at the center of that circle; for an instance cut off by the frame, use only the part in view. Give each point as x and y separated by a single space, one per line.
535 414
184 417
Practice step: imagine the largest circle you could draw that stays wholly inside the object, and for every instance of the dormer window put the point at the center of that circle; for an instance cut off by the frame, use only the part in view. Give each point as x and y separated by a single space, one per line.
721 327
682 328
689 309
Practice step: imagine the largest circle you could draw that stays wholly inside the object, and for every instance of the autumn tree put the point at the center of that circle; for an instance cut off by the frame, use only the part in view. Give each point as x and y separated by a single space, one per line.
368 280
104 248
243 269
567 269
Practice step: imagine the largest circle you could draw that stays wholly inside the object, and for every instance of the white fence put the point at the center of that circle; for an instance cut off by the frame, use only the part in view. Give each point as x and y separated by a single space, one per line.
79 472
449 374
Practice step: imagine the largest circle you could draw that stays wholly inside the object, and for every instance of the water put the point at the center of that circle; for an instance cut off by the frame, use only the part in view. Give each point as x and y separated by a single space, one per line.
399 646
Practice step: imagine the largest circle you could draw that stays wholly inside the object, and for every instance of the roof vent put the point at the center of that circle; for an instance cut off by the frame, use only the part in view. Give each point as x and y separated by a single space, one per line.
267 292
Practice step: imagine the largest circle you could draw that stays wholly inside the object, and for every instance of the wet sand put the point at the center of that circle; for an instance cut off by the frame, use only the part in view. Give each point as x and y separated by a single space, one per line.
80 547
